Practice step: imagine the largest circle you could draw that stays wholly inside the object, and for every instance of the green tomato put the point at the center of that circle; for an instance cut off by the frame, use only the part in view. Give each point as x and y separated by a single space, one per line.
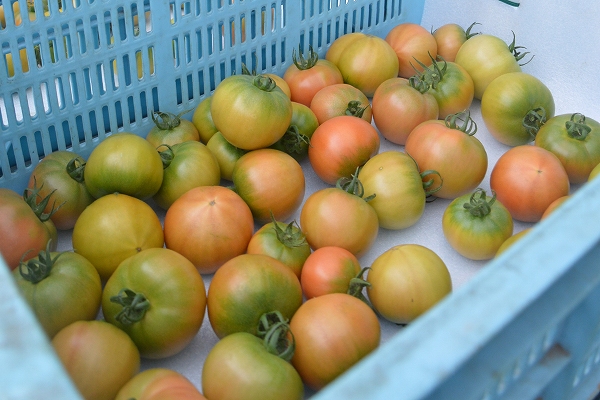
225 153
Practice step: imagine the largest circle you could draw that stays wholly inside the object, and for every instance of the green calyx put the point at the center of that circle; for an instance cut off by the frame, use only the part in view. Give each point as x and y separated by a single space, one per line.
431 76
468 34
166 155
533 121
277 337
303 63
428 183
468 125
31 195
291 236
76 169
577 128
293 141
356 286
478 204
516 51
134 305
264 83
353 186
37 269
166 121
355 109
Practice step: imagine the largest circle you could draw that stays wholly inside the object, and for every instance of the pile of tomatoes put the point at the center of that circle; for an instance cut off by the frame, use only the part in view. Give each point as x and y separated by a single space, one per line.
197 218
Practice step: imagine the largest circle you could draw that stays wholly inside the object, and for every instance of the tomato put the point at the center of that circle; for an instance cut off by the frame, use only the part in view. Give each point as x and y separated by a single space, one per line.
450 84
306 76
450 37
340 216
595 172
270 182
340 145
25 230
209 225
114 166
450 148
281 84
60 288
113 228
328 269
412 43
515 106
340 99
186 166
406 281
284 242
202 120
242 366
248 286
527 179
575 140
333 332
398 107
476 225
171 129
158 298
400 190
225 153
554 205
98 357
61 173
511 240
296 139
251 112
365 61
159 384
486 57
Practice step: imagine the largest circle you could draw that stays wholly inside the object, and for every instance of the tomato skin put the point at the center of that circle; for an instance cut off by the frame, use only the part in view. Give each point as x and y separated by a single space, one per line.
334 217
70 292
248 286
192 165
53 173
506 102
202 120
455 90
176 295
304 123
462 169
511 240
271 182
486 57
24 235
477 235
114 166
577 149
340 99
449 38
239 367
333 332
340 145
406 281
94 369
225 153
209 225
251 112
554 205
328 269
159 384
527 179
171 129
595 172
113 228
398 108
410 41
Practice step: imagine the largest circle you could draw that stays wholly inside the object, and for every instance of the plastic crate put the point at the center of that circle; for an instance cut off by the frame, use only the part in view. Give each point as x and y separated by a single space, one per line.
526 326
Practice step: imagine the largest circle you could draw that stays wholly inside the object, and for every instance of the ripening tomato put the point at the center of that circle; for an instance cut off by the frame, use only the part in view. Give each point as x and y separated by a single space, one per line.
225 153
340 145
251 112
209 225
171 129
61 173
159 384
202 120
527 179
575 140
328 269
340 99
247 287
515 106
450 37
476 225
60 288
98 357
406 281
398 107
271 182
511 240
306 76
486 57
595 172
113 228
450 148
24 233
340 216
296 140
554 205
333 332
411 41
114 166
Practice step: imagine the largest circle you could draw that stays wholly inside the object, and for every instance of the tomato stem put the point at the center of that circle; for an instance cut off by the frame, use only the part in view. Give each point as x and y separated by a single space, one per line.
166 121
356 286
513 48
355 109
353 186
76 168
468 126
36 270
480 206
292 236
167 155
577 129
533 121
134 305
468 34
427 184
277 337
264 83
293 141
305 63
30 195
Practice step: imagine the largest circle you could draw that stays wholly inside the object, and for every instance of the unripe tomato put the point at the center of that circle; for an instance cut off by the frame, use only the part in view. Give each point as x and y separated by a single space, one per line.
411 41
